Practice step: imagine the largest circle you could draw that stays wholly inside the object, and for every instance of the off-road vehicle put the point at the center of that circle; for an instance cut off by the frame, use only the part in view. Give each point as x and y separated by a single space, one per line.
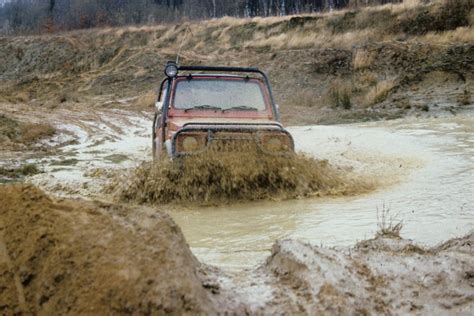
201 108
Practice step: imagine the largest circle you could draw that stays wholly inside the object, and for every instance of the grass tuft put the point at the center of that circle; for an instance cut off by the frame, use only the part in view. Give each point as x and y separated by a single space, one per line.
339 95
387 226
146 100
380 92
32 132
362 59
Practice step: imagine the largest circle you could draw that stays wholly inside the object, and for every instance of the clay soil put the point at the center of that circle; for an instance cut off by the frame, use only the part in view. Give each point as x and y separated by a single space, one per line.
69 257
75 257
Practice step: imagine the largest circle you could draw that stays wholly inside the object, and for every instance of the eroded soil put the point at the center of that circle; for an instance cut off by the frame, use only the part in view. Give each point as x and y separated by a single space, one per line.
77 257
62 256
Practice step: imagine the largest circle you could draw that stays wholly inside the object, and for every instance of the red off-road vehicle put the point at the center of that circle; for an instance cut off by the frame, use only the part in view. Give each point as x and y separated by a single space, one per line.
201 107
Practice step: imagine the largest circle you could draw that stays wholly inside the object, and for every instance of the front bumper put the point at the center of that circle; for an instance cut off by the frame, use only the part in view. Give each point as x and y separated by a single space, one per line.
229 137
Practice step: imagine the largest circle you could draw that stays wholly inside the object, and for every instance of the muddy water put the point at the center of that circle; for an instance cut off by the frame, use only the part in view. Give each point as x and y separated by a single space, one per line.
424 169
101 143
427 171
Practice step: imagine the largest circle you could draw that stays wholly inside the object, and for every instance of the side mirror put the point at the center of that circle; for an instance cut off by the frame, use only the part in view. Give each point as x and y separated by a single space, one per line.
158 106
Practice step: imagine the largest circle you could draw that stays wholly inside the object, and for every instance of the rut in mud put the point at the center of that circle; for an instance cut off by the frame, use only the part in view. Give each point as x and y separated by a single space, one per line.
218 177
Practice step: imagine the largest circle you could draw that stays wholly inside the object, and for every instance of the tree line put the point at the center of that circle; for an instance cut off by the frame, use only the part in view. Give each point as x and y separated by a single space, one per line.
38 16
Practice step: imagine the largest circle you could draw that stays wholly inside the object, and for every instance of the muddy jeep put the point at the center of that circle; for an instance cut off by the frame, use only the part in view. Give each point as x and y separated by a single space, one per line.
201 108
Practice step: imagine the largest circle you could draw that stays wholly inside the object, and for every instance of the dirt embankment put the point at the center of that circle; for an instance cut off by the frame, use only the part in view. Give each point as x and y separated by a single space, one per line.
76 257
377 276
72 257
372 63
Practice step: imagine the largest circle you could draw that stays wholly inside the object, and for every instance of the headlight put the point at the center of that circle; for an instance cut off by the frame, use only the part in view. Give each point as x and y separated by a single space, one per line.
171 70
276 142
190 143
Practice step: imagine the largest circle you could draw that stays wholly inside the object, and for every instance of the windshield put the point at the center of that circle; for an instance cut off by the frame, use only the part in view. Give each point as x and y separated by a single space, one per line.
219 94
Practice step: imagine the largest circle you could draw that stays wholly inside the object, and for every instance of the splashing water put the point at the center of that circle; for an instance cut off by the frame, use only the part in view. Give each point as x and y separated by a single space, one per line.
220 177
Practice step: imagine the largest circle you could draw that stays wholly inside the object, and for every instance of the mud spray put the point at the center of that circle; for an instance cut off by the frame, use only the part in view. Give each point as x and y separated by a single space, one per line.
218 177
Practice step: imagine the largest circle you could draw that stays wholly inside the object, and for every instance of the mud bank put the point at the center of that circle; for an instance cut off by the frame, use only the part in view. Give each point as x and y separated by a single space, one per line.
73 257
377 276
77 257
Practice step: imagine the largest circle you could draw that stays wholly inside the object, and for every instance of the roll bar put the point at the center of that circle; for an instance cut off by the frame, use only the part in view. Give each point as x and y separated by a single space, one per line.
220 68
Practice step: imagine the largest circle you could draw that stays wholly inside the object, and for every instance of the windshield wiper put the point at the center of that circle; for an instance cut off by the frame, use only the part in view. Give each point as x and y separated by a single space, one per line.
203 107
241 108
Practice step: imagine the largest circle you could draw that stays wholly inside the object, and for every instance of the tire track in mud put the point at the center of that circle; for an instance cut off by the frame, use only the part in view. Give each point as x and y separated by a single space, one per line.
103 142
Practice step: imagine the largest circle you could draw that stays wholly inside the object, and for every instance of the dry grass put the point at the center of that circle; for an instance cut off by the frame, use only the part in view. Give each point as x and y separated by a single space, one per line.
387 225
307 97
362 59
32 132
365 79
145 100
21 171
339 95
465 97
459 35
14 131
380 92
338 29
314 39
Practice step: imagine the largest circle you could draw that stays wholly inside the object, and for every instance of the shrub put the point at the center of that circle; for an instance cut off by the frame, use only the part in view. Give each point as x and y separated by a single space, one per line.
362 59
380 91
31 133
339 95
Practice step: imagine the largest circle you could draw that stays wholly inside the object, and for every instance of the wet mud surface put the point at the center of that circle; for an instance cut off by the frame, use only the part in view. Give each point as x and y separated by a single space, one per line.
77 257
421 168
63 256
93 254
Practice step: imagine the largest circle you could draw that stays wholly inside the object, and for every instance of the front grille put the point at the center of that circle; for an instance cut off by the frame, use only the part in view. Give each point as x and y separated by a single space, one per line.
233 142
